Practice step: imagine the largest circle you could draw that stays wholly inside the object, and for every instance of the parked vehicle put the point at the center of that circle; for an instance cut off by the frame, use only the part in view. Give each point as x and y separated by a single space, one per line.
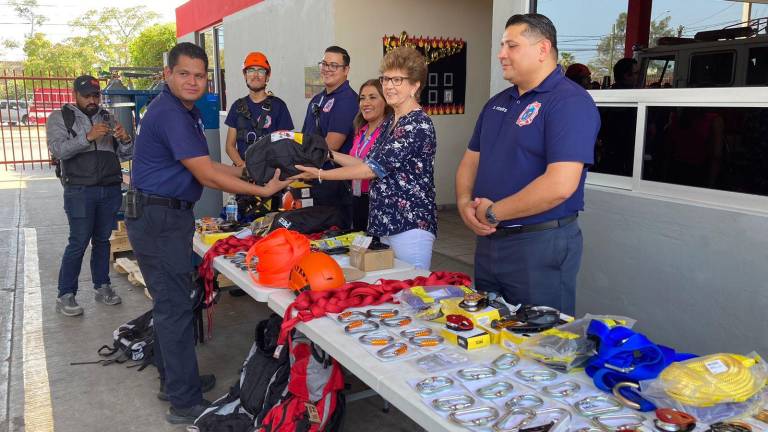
13 112
45 101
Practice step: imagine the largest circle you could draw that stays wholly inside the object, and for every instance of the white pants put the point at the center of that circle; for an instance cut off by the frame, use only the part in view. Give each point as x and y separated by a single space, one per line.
412 246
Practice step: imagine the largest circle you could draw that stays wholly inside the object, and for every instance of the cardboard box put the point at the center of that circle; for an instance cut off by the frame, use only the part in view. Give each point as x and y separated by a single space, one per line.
469 340
210 238
371 260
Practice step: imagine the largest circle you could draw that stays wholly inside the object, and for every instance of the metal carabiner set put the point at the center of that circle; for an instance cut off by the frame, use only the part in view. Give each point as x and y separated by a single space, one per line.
349 316
562 389
394 350
474 416
453 403
536 375
416 332
562 415
426 341
524 401
378 339
382 313
396 321
597 405
634 422
506 361
434 384
495 390
361 326
476 373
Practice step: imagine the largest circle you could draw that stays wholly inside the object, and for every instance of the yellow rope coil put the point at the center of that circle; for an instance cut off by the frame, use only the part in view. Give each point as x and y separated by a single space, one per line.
713 379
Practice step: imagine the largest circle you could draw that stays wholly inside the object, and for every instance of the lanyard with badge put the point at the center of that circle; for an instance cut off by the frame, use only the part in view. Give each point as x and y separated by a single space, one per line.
362 147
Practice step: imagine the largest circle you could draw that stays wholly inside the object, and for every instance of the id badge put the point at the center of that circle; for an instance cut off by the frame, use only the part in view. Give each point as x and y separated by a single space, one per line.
357 187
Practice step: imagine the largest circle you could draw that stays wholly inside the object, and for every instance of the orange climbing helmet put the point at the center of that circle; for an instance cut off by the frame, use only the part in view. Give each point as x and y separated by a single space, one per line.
317 271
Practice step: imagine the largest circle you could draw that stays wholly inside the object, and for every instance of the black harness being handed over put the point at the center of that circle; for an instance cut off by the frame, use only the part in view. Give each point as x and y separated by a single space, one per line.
250 129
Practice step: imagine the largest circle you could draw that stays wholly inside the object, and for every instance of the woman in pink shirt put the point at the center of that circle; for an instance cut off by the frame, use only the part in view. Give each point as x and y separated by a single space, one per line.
373 111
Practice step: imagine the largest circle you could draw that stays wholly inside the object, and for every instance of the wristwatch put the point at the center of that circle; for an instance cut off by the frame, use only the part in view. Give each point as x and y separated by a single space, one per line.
490 215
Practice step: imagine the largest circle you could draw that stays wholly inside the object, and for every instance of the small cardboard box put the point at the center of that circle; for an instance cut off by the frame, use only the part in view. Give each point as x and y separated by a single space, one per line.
371 260
469 340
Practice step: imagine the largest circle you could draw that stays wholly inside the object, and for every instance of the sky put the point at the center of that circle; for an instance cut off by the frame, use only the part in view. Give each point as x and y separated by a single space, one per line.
581 23
61 12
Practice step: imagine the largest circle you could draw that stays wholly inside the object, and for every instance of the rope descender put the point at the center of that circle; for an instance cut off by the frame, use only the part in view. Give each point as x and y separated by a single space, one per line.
671 420
434 384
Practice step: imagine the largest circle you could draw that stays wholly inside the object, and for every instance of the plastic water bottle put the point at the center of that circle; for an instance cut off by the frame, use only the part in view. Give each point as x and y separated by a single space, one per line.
231 209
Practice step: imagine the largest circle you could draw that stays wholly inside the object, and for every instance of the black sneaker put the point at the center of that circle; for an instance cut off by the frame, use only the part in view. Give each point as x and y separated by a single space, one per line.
186 415
207 383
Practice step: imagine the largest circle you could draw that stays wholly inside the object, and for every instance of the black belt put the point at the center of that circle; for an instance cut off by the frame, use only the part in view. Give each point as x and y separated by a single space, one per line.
543 226
172 203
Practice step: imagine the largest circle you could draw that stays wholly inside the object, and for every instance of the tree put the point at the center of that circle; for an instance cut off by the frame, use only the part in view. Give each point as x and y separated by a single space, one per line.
26 10
147 49
567 59
610 48
111 30
70 56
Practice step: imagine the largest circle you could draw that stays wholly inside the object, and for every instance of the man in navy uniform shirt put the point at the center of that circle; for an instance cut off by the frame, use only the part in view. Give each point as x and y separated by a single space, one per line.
256 114
170 167
330 114
520 184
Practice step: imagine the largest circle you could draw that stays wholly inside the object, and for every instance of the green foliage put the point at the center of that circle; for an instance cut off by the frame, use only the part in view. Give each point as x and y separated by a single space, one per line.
567 59
26 10
611 47
147 49
71 56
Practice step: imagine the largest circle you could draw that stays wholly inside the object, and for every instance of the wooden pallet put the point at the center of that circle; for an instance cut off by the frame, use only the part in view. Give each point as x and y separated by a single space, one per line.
118 243
131 268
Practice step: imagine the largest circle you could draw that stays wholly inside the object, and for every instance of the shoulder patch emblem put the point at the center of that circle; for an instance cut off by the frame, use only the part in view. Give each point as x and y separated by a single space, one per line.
328 105
529 114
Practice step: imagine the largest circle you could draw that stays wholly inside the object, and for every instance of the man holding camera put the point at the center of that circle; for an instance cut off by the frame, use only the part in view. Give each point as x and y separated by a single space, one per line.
89 148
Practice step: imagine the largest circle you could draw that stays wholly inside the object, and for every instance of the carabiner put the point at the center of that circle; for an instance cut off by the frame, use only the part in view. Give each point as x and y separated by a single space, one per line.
620 397
536 375
468 417
416 332
476 373
393 350
453 403
360 326
597 405
382 313
564 415
502 426
562 389
506 361
636 421
370 339
434 384
426 341
524 401
396 321
349 316
495 390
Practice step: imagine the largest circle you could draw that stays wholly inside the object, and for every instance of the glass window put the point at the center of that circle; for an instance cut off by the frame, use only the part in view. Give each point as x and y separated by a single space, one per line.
212 41
757 68
660 72
711 70
615 146
723 148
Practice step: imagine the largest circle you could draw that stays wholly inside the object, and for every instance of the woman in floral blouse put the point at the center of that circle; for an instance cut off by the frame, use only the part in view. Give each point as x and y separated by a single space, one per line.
400 165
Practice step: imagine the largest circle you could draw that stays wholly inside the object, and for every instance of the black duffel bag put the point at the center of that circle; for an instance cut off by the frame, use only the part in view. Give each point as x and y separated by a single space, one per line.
284 149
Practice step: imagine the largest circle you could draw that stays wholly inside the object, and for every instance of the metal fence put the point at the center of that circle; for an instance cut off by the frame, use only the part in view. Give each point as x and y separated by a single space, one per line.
26 101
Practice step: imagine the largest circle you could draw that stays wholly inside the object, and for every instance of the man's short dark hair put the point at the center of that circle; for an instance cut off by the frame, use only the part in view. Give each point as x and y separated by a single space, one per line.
538 25
339 50
623 67
186 49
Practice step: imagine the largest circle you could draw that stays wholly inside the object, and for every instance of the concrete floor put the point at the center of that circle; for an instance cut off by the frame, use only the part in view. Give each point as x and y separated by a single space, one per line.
95 397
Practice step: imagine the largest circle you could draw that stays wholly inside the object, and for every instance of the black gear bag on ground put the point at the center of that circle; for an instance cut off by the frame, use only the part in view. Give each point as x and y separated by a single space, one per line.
133 341
284 149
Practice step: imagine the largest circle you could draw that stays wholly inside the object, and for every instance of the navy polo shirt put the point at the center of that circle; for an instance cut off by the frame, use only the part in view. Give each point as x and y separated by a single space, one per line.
518 136
167 134
337 110
277 118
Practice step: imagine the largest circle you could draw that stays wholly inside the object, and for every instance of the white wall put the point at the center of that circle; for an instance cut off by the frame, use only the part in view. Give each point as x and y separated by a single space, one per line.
293 34
189 37
359 27
502 10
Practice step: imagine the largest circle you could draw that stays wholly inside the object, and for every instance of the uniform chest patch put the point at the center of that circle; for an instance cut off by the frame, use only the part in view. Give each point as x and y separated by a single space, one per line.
529 114
328 105
267 121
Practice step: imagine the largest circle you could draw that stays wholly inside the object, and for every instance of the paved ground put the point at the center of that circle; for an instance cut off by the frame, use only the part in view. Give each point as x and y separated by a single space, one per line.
41 391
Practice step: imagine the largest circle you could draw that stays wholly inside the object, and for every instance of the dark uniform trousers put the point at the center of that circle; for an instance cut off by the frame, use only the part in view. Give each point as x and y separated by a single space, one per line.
538 268
162 242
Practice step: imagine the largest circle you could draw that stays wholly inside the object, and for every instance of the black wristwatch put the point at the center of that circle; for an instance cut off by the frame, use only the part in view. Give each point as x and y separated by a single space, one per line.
490 215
